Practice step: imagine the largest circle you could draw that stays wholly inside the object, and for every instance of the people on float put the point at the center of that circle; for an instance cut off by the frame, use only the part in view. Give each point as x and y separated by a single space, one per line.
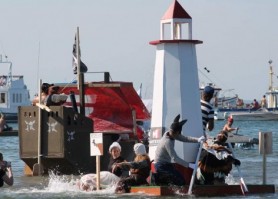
50 96
88 182
207 108
215 161
44 94
165 155
139 170
255 104
6 173
115 157
228 126
54 98
263 102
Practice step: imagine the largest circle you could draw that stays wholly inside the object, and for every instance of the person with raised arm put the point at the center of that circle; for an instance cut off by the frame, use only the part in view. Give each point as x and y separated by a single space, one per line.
165 155
139 169
228 126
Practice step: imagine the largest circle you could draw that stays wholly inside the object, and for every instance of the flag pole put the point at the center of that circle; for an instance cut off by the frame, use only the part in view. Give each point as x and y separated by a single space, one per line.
80 77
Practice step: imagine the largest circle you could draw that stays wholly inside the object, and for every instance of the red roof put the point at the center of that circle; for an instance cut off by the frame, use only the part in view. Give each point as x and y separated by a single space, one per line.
176 11
110 105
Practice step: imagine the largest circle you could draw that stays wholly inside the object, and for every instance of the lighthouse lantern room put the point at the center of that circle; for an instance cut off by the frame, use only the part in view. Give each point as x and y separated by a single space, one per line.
178 21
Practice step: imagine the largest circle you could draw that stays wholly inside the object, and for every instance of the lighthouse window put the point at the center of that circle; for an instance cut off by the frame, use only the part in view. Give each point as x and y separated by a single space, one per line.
2 98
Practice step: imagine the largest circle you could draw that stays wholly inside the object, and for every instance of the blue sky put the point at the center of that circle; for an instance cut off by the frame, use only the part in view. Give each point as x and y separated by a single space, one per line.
239 36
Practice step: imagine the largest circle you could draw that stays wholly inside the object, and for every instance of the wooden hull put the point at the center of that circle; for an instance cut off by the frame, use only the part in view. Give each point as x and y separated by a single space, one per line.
204 190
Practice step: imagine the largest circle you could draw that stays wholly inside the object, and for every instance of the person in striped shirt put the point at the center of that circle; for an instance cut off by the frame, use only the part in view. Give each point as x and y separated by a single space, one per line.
207 109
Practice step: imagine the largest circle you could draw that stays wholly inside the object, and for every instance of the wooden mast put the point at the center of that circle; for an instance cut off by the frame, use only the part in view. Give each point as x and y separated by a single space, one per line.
80 77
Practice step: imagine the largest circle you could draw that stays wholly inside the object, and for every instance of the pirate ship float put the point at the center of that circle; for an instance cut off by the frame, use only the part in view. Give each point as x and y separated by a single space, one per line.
58 138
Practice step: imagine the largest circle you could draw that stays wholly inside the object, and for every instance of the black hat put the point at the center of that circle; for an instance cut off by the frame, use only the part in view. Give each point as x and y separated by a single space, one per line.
209 90
176 126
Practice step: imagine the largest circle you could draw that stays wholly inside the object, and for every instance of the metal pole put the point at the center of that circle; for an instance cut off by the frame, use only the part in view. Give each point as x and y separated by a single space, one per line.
195 170
37 168
264 158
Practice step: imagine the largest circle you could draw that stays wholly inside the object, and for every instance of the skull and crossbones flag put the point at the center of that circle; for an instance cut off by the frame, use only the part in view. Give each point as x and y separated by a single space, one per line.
83 67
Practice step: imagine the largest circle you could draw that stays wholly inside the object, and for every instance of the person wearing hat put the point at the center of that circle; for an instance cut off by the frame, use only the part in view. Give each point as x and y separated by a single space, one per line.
165 155
207 108
115 157
228 126
139 170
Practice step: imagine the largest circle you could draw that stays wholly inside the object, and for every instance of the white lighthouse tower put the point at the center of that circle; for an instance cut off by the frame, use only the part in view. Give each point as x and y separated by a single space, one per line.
176 84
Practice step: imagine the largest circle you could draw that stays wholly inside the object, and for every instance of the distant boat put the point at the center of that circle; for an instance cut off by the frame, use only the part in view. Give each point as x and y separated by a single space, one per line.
13 93
258 115
270 112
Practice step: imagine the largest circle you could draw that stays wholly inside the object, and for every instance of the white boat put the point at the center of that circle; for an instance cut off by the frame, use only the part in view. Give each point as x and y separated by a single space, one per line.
258 115
13 92
270 112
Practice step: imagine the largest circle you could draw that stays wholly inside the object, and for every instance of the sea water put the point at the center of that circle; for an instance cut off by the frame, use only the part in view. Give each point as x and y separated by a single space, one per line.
54 186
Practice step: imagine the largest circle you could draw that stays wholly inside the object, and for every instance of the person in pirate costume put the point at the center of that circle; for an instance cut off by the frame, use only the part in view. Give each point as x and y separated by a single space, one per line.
165 155
139 170
216 161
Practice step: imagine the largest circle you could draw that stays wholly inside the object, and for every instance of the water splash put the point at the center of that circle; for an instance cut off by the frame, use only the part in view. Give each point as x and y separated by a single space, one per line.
53 186
61 183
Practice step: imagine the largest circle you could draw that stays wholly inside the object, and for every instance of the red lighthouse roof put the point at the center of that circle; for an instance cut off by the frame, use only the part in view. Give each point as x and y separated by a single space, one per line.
176 11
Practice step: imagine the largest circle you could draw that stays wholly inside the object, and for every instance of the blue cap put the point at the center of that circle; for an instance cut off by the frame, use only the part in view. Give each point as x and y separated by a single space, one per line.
208 90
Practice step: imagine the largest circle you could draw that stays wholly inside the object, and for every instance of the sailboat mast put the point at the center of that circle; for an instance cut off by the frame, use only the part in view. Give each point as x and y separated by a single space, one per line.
271 75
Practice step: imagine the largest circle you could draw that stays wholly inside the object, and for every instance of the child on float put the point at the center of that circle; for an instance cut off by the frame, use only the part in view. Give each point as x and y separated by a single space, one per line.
139 170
